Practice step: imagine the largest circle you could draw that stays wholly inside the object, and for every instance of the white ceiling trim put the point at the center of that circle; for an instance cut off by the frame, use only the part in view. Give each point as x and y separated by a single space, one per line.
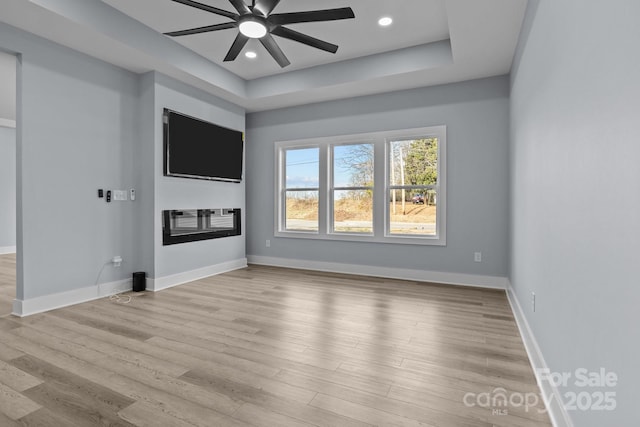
402 61
483 37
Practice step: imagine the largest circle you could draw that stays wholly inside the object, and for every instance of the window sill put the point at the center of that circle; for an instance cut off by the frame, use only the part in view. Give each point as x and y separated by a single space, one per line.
364 238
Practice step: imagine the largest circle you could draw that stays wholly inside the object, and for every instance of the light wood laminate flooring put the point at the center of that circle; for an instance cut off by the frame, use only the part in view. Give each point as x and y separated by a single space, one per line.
266 346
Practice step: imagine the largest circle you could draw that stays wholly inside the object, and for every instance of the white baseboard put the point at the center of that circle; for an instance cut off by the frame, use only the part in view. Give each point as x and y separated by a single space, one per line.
160 283
550 393
44 303
492 282
4 250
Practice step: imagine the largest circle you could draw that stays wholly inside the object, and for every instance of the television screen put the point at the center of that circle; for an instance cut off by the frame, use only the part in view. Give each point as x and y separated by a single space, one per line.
198 149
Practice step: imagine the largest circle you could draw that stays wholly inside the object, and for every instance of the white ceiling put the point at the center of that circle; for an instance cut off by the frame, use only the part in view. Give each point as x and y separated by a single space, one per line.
430 42
415 22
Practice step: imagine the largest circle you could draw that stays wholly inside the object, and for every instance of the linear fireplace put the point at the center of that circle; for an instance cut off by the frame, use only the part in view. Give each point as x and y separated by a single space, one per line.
190 225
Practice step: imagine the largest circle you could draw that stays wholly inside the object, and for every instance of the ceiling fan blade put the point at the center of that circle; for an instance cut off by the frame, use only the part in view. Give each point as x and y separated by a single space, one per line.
208 8
236 47
272 47
304 39
240 6
312 16
199 30
265 7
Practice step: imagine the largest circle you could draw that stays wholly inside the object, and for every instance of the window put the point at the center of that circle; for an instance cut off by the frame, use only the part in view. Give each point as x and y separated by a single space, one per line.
352 189
301 188
386 187
413 185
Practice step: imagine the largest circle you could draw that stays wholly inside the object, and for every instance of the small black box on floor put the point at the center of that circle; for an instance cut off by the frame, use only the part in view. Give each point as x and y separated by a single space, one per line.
139 281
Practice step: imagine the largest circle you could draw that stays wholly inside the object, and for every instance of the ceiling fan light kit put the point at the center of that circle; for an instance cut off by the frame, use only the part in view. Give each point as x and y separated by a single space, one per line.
252 27
258 22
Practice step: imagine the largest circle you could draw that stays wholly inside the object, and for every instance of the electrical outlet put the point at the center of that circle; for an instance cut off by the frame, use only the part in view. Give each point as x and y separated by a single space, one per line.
533 301
268 243
477 256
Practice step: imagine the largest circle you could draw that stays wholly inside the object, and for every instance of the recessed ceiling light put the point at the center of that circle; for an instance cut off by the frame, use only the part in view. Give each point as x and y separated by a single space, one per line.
385 21
251 55
252 28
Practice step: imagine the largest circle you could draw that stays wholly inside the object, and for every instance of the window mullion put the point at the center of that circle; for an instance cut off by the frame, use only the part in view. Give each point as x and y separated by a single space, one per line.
413 187
351 188
379 187
281 162
324 190
302 189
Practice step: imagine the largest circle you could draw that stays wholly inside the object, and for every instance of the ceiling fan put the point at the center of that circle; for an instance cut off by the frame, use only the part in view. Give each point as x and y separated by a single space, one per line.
257 22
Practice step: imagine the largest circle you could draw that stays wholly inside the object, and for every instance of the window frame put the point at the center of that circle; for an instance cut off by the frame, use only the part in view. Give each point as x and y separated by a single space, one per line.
381 189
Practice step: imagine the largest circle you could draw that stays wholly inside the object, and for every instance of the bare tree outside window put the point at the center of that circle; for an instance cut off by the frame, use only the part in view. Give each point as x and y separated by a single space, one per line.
352 191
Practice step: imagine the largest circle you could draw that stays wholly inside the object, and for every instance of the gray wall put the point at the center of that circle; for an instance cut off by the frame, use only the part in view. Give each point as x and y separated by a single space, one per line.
183 193
476 115
84 125
77 126
575 193
7 187
145 175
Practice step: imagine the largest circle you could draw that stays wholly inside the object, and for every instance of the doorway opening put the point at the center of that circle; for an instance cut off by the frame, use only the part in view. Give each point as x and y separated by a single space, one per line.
8 181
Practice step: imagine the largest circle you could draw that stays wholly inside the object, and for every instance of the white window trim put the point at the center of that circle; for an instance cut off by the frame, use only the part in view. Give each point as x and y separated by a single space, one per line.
381 142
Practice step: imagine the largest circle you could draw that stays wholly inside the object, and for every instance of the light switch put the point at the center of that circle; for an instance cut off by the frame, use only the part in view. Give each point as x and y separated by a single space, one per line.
119 195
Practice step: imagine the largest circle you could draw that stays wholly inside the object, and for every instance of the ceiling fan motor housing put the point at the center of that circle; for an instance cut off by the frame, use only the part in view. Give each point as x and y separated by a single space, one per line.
257 22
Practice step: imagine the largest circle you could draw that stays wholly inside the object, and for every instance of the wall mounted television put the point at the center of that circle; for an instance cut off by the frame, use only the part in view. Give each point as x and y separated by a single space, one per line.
195 148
